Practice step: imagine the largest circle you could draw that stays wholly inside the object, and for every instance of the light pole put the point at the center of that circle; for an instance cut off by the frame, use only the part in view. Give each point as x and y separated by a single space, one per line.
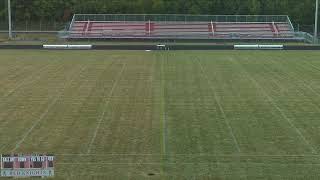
9 19
316 23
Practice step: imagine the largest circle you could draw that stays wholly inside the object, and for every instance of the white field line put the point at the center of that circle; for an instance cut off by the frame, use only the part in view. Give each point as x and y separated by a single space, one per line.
284 116
184 163
220 106
44 114
164 119
106 103
198 155
150 103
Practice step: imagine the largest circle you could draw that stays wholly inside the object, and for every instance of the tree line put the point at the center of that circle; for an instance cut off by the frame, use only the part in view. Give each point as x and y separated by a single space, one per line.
300 11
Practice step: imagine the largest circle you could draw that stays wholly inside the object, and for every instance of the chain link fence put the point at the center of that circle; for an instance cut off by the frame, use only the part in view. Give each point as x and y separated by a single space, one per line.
56 27
305 28
33 30
179 18
37 26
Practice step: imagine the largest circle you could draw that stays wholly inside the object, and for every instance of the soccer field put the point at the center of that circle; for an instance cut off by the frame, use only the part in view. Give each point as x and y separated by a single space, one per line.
165 114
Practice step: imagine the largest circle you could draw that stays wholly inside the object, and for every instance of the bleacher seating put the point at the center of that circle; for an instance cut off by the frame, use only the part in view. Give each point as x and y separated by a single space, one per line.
180 30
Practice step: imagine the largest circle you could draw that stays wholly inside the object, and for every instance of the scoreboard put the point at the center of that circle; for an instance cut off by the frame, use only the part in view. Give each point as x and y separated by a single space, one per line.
18 165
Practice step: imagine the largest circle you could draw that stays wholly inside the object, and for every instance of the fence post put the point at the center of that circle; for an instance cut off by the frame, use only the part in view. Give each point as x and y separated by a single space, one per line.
316 23
9 19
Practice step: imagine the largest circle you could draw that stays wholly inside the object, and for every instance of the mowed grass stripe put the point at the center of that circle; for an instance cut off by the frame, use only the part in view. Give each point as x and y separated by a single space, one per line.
15 67
248 111
33 75
310 102
211 86
140 126
276 106
199 144
105 106
295 76
314 66
163 58
19 72
72 121
291 91
128 127
29 103
44 114
26 65
297 68
285 80
28 80
123 119
194 121
21 85
10 66
131 127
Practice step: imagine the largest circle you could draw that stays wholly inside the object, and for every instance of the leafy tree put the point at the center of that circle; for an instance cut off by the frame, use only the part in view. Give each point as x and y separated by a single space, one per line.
61 10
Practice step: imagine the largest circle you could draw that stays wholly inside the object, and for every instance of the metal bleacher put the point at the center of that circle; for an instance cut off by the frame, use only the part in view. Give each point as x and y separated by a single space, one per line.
100 26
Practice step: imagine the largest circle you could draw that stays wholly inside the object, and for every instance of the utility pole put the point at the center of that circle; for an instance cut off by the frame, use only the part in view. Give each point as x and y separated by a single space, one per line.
316 23
9 19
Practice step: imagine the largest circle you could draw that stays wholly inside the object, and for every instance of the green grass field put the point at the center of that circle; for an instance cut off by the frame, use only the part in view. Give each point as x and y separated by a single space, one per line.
164 115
